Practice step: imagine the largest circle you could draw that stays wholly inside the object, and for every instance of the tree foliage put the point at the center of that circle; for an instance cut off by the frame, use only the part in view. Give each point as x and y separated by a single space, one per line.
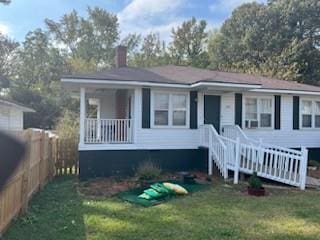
152 52
188 44
279 39
6 2
188 47
90 39
8 55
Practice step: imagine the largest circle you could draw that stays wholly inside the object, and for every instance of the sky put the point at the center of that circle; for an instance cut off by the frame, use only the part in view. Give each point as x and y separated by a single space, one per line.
140 16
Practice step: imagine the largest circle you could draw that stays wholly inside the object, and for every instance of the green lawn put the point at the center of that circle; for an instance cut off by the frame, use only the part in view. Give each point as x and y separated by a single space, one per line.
222 212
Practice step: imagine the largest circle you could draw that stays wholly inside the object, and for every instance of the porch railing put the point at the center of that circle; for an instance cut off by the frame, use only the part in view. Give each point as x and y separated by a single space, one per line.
108 131
216 148
270 161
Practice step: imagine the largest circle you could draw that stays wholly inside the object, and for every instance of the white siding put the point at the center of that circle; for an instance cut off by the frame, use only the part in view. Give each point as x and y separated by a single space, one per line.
16 119
286 136
159 138
4 118
163 138
108 103
11 118
185 138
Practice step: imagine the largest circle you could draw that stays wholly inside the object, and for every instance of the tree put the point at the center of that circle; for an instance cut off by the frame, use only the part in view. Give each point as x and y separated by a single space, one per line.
92 39
133 42
152 52
188 45
280 39
6 2
8 56
36 81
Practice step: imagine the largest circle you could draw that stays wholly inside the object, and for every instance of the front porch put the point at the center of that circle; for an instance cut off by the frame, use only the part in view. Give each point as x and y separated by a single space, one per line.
106 116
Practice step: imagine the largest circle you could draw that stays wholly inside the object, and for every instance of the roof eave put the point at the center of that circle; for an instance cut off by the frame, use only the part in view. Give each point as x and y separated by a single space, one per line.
286 91
22 108
158 84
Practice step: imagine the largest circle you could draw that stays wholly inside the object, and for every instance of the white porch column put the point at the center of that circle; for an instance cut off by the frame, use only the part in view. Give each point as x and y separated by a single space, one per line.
82 114
136 113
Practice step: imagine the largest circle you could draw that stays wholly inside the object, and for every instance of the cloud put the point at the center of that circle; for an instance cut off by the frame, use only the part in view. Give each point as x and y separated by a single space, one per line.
145 16
227 6
4 29
144 9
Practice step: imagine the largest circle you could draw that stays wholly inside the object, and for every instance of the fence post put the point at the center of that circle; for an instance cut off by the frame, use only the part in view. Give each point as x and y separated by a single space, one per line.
303 168
210 153
225 162
27 136
41 163
50 158
237 162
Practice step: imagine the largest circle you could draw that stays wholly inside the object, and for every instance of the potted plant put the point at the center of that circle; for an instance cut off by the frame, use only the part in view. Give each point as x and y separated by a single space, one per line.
255 187
148 173
313 165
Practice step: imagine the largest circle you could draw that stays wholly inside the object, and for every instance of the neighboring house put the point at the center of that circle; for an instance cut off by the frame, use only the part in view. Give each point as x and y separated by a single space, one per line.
164 114
11 115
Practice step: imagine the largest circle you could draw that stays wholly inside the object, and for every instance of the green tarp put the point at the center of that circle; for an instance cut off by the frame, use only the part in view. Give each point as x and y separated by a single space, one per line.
132 195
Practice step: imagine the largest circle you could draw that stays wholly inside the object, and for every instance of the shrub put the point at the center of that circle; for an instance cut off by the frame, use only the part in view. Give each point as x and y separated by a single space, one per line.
313 163
148 171
68 126
255 181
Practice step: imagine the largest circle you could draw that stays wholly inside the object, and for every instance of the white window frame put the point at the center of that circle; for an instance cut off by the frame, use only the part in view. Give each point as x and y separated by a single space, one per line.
313 113
170 110
258 111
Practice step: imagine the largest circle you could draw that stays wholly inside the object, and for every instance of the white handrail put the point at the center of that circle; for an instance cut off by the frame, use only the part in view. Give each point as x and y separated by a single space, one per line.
216 148
279 166
234 131
270 161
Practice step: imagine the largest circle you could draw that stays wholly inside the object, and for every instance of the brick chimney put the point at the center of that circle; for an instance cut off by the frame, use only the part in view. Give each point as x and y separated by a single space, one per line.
121 56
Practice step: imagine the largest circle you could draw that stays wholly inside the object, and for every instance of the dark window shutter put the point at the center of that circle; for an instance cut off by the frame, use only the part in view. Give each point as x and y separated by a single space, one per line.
238 109
277 111
296 103
193 110
145 107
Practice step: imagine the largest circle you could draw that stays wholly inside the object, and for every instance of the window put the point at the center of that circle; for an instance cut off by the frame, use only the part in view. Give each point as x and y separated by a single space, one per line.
179 108
317 115
251 112
306 111
258 112
265 112
161 109
310 114
170 109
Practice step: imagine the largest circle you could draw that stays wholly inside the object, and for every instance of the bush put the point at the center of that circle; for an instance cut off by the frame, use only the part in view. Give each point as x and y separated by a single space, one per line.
313 163
68 126
148 171
255 181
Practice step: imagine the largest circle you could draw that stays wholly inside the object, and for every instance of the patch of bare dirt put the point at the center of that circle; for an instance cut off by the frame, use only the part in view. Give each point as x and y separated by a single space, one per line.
314 173
106 187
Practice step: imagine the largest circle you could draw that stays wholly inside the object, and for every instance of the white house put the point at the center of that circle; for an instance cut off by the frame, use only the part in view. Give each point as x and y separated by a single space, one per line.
11 115
182 116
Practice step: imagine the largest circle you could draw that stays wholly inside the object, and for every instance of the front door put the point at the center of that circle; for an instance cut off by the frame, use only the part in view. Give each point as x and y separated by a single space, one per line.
212 111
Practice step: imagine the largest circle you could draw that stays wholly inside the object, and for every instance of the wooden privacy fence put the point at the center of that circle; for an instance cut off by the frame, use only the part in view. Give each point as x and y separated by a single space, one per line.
67 156
46 156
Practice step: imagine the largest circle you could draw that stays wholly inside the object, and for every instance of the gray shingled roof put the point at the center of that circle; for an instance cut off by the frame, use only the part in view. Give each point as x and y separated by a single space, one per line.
9 102
190 75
